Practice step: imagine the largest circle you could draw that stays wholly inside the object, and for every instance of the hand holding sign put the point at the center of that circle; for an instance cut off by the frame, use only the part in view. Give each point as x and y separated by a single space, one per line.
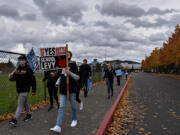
67 70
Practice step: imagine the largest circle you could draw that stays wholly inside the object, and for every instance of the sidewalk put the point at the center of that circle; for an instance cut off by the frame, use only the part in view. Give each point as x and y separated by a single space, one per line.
96 105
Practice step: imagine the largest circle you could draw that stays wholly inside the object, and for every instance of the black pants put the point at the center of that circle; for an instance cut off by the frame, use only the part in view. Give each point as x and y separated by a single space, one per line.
110 87
77 94
118 80
126 77
53 93
84 84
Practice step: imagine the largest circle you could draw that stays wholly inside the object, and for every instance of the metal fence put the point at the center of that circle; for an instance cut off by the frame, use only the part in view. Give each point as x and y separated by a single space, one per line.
8 94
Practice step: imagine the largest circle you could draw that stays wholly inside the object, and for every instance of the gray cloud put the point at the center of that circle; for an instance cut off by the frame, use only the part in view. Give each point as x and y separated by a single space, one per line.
175 19
117 9
12 12
157 11
8 11
157 37
29 16
59 11
102 23
159 22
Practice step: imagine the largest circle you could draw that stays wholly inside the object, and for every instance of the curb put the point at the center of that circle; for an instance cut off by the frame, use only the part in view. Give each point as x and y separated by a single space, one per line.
108 118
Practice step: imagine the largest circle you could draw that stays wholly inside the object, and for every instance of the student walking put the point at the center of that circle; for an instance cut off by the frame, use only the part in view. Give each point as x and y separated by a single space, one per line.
126 74
118 74
72 71
51 78
109 77
24 78
85 73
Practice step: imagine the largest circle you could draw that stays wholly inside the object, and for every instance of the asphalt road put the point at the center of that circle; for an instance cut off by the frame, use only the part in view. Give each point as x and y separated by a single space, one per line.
151 106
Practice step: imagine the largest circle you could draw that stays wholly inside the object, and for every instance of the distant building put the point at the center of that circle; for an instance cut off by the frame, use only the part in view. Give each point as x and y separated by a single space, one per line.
131 66
115 63
136 66
96 65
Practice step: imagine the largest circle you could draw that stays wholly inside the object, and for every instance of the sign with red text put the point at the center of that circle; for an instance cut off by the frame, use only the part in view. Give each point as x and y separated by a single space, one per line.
52 58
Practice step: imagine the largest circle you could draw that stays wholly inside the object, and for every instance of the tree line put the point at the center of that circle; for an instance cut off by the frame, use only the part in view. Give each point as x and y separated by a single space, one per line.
167 58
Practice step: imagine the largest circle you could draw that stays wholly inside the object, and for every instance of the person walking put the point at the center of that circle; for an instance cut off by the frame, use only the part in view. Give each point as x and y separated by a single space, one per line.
118 74
72 71
126 74
23 75
109 77
85 74
51 78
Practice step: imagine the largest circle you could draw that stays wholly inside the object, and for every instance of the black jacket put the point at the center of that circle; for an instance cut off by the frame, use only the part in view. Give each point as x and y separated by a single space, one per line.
24 79
85 71
51 81
72 82
109 74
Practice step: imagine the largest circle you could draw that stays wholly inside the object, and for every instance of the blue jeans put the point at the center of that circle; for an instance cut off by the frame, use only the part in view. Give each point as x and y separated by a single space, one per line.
109 83
62 106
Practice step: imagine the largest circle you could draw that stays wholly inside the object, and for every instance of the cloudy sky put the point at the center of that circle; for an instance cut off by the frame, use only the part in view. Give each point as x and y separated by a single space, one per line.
117 29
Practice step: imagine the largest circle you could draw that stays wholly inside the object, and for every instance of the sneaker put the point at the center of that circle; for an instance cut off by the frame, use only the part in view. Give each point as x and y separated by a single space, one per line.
13 121
74 123
56 129
28 117
50 108
81 106
108 97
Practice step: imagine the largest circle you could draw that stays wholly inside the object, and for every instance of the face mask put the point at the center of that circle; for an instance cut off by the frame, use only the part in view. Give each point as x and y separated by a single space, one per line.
21 62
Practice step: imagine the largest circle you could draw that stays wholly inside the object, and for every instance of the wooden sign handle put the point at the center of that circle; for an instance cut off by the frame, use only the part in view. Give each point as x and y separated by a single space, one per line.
67 76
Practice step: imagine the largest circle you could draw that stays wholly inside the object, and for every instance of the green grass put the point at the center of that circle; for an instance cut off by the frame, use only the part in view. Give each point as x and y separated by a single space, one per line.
96 77
8 94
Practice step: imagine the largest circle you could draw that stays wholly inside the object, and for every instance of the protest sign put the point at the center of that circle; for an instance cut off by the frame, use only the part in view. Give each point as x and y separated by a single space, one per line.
52 58
32 60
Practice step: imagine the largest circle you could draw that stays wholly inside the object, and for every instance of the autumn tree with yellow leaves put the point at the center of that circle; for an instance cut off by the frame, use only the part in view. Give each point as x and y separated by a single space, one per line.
167 58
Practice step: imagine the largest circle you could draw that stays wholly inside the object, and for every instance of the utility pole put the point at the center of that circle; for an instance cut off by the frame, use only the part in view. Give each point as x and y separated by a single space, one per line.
105 54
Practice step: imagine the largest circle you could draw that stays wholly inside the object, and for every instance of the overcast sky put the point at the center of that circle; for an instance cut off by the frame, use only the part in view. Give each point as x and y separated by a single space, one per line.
124 29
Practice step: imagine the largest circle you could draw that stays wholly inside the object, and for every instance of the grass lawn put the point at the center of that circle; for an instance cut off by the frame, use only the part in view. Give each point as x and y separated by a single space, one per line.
8 94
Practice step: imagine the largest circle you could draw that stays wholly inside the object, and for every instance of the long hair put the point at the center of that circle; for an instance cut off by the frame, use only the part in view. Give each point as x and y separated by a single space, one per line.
110 65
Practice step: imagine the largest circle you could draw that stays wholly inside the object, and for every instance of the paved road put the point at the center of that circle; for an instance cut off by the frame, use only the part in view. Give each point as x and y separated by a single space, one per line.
152 106
95 108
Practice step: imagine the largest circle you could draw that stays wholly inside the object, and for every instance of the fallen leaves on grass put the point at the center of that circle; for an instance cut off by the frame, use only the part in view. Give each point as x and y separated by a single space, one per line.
32 107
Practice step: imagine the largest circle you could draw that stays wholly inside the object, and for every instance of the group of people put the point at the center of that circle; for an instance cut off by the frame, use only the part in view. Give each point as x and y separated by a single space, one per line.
78 78
109 75
25 79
